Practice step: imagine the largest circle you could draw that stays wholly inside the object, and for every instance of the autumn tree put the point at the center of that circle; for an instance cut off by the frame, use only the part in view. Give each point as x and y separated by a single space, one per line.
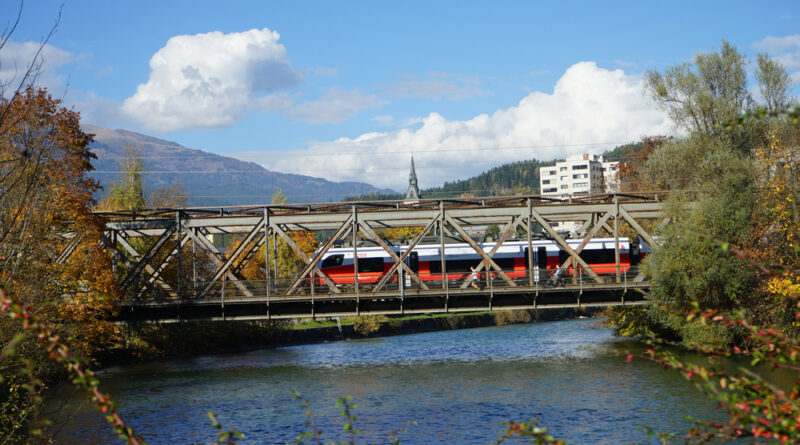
173 196
45 209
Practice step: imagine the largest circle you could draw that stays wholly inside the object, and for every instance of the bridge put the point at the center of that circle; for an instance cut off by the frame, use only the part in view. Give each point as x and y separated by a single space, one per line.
171 266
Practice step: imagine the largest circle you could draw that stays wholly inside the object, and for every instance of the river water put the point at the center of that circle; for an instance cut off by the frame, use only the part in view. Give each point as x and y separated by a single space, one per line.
457 385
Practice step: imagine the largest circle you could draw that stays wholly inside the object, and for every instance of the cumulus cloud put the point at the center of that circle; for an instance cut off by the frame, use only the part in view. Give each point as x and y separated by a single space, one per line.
335 106
591 109
17 57
785 49
211 80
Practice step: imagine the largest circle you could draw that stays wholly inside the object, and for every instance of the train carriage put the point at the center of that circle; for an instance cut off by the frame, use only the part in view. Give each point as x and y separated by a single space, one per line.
512 257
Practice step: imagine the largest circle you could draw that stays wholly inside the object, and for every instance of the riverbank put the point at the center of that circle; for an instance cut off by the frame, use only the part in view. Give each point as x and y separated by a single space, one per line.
150 342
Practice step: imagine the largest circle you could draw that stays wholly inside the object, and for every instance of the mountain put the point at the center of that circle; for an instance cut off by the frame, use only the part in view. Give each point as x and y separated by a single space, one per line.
209 179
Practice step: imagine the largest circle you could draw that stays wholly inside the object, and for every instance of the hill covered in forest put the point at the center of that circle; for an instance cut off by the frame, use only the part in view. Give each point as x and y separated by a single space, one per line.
208 179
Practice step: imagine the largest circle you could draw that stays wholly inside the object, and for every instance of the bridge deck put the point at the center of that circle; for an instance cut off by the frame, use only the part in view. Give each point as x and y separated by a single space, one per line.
392 302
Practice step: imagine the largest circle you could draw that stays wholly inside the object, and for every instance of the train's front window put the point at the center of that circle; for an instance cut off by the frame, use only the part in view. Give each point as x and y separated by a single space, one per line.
333 261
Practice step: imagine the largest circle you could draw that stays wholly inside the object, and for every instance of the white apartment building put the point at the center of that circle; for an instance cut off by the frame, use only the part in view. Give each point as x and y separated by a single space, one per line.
578 175
610 177
581 174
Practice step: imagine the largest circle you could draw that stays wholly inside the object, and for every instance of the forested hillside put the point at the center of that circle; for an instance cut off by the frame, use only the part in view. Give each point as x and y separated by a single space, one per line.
516 178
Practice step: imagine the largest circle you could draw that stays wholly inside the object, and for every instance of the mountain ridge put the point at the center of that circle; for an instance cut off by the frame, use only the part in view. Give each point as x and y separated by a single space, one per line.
209 179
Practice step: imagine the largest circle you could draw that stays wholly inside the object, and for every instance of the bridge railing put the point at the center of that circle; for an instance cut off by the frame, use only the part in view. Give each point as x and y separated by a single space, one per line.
545 280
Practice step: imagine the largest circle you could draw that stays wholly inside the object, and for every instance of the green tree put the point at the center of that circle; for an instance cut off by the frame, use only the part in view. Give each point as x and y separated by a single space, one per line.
128 193
774 83
703 95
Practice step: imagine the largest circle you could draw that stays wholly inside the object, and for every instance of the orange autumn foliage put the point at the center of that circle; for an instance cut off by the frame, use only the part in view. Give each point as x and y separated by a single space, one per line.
45 204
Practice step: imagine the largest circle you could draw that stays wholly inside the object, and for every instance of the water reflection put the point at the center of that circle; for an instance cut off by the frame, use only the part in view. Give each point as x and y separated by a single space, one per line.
458 386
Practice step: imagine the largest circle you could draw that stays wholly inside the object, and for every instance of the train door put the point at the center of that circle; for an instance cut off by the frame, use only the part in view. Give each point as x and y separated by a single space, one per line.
413 261
541 257
634 253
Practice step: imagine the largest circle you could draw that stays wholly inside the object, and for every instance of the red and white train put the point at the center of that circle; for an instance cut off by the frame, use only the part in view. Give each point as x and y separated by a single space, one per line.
511 257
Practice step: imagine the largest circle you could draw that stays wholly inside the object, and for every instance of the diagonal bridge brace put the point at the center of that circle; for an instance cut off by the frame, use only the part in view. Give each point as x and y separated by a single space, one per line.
219 260
144 261
401 260
511 227
596 228
311 263
368 229
106 241
563 244
225 267
486 258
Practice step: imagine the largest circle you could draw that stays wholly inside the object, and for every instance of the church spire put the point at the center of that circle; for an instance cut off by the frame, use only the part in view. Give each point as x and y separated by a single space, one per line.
413 189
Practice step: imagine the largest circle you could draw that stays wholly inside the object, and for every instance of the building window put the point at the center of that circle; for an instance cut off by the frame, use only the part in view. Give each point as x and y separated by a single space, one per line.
545 181
563 169
552 172
580 167
563 186
550 190
579 185
564 178
580 176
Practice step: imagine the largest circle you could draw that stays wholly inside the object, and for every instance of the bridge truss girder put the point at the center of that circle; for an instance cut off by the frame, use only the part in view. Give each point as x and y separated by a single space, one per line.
166 234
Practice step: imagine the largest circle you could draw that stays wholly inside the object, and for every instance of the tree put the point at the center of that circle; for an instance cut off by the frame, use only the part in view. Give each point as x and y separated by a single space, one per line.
774 82
45 206
128 193
702 96
723 184
173 196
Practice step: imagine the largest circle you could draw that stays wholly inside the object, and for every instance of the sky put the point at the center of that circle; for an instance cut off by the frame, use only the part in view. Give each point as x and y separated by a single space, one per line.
349 90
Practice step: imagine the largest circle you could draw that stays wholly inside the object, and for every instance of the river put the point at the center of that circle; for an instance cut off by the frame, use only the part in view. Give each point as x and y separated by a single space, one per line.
457 385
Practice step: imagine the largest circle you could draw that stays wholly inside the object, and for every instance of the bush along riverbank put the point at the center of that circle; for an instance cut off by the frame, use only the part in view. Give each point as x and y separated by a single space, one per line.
145 342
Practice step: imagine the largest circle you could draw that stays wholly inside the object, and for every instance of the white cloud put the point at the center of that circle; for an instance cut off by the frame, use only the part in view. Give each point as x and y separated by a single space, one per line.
589 105
436 86
335 106
785 49
15 58
211 80
384 119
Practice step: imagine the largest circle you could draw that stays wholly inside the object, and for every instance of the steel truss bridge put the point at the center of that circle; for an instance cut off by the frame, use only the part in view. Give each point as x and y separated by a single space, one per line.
170 269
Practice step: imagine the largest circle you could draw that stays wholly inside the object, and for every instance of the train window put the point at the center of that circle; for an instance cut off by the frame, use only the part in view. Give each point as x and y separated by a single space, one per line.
591 256
505 263
541 257
464 266
333 261
598 256
370 265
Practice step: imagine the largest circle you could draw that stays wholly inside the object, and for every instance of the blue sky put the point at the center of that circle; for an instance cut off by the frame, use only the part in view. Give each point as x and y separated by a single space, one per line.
347 90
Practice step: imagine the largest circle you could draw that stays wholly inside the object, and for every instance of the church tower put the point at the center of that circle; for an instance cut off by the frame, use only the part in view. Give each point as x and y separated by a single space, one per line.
413 189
